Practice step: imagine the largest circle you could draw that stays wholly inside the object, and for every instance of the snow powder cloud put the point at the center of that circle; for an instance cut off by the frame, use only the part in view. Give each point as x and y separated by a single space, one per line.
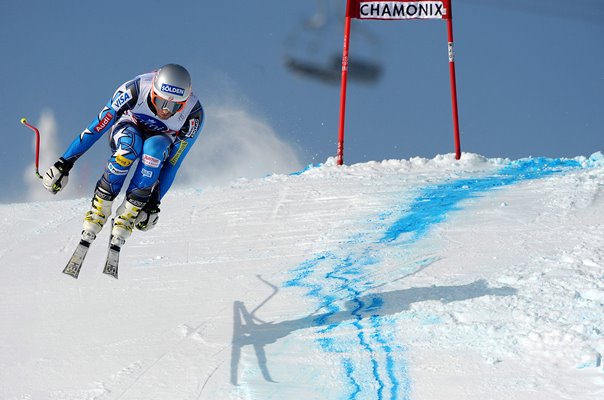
236 144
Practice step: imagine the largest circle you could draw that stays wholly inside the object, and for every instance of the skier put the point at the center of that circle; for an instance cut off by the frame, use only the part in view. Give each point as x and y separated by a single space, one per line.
155 119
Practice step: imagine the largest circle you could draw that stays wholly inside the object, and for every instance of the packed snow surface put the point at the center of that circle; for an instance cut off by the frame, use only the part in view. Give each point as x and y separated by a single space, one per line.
402 279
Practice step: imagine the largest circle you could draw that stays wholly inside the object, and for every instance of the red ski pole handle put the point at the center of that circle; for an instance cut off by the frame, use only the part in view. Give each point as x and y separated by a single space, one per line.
37 132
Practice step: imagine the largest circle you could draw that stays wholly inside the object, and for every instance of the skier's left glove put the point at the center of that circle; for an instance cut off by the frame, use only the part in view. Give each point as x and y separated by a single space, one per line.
147 217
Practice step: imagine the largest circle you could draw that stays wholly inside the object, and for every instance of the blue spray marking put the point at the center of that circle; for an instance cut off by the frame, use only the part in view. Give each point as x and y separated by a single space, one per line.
436 202
307 168
345 274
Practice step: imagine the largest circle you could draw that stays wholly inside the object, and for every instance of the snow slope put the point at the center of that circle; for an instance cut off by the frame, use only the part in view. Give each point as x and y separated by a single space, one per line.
405 279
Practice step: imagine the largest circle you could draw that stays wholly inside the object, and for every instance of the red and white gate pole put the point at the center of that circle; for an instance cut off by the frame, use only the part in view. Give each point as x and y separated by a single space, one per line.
340 154
453 82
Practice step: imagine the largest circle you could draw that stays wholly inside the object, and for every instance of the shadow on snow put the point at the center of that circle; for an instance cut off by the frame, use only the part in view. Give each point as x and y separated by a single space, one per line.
249 330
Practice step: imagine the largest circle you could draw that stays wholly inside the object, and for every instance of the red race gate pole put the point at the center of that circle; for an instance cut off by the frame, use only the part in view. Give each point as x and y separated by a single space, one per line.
340 155
453 82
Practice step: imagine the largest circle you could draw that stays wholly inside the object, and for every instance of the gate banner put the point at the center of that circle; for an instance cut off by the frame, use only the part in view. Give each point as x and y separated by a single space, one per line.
400 9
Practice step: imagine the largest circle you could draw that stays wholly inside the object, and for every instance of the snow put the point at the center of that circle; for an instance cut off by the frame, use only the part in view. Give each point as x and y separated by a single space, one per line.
401 279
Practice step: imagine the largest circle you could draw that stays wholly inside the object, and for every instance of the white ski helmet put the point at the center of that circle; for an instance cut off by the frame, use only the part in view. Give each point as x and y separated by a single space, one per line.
171 87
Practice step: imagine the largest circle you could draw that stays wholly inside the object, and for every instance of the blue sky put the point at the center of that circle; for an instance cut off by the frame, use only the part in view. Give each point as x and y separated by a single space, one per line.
530 76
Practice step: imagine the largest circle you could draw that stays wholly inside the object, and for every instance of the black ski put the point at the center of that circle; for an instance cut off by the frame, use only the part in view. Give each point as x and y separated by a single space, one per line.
113 254
77 259
113 260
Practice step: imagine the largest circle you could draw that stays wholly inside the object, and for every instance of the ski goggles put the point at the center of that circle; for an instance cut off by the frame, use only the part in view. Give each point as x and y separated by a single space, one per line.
162 104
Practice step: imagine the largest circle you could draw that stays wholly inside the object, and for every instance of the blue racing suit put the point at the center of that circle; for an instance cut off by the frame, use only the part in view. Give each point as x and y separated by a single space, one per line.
136 133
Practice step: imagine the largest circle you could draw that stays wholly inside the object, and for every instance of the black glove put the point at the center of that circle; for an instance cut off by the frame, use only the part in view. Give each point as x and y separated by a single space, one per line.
147 217
57 176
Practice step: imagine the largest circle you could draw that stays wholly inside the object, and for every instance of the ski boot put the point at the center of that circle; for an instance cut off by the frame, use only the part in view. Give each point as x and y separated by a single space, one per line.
124 223
95 219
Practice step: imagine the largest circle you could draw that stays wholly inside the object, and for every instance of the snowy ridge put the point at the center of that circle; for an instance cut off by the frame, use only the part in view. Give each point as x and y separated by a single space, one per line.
402 279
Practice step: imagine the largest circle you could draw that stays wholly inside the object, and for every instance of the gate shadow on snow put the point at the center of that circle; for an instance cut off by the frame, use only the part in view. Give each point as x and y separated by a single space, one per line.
249 330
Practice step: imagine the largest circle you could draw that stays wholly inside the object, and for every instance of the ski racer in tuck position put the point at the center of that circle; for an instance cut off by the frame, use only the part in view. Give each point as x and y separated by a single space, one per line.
155 118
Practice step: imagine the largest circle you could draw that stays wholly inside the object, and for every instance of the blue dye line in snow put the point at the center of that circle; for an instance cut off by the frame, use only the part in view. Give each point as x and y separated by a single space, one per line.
347 272
436 202
349 370
378 336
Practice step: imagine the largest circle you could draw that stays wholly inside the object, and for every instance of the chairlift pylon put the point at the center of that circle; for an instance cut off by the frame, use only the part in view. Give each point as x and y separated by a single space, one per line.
307 54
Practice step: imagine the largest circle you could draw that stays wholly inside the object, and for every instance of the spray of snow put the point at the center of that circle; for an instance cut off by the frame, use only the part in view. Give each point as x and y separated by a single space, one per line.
236 144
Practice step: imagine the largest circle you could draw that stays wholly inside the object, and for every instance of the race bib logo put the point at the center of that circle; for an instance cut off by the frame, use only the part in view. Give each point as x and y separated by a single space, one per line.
172 89
122 99
193 127
151 161
150 123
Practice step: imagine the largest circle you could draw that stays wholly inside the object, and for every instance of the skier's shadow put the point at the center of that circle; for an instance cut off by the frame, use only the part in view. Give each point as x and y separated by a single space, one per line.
250 330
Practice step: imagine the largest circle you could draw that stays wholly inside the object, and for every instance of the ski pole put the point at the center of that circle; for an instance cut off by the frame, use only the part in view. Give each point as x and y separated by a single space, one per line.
24 122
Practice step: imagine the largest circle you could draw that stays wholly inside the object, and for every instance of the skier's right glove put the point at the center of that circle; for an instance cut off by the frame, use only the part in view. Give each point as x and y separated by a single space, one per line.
147 217
57 176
